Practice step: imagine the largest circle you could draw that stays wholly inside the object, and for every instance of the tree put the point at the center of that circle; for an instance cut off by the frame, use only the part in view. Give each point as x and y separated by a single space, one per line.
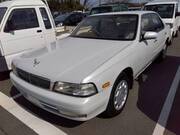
87 4
65 5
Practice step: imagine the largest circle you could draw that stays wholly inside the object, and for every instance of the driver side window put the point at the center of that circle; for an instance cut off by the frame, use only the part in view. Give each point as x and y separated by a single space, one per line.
22 19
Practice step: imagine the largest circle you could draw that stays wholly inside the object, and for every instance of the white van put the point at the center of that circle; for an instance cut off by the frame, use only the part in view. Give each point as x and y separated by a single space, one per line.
168 10
24 25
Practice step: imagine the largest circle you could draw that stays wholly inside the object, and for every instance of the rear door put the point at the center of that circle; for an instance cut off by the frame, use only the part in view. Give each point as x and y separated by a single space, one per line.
48 26
145 48
162 34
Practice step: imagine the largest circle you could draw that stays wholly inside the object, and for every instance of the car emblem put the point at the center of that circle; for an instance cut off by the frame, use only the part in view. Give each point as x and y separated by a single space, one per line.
36 62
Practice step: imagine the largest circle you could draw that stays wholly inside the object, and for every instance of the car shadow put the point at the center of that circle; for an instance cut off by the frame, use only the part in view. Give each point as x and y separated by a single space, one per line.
154 86
4 75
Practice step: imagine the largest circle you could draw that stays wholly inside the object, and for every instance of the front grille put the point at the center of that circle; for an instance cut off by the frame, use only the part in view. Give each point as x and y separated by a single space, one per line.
33 79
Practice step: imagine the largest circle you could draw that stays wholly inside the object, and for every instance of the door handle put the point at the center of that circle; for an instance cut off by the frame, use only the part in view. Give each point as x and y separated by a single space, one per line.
39 31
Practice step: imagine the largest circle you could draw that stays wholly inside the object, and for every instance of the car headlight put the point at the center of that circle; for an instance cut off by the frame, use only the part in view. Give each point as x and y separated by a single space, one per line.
14 69
79 90
170 25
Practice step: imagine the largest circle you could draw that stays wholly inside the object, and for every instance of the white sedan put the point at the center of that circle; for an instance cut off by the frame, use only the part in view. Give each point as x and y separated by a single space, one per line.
92 70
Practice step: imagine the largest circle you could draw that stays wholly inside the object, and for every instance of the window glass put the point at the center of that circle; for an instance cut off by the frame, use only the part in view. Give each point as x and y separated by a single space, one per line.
164 10
45 18
146 23
176 8
102 9
158 25
2 12
80 16
124 8
117 27
23 19
71 20
116 9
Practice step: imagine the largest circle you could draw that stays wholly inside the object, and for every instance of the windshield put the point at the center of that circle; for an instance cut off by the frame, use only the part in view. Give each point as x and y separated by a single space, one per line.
164 10
98 10
2 12
112 27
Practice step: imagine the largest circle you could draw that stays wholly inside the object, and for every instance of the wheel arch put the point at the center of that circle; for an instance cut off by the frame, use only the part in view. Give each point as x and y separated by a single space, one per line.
129 72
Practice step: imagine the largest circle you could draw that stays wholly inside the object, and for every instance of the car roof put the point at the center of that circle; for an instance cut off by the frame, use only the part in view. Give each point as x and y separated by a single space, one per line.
125 12
162 2
11 3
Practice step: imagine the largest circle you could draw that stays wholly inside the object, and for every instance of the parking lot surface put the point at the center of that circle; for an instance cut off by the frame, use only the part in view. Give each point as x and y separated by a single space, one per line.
140 115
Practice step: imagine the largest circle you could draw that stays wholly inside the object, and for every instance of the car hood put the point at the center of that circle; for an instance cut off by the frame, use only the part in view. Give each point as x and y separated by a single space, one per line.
70 59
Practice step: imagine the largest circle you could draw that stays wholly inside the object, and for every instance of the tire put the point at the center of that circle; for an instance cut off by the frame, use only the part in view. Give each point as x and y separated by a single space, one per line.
169 42
116 101
176 34
162 55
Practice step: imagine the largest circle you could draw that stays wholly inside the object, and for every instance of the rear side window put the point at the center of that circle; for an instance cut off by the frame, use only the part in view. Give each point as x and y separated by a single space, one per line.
146 23
151 22
103 9
158 25
124 8
45 18
22 19
164 10
116 9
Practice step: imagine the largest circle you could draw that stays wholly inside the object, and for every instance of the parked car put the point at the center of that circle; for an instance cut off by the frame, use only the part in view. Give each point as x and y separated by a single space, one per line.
87 13
69 19
93 69
168 10
135 8
112 7
25 25
56 13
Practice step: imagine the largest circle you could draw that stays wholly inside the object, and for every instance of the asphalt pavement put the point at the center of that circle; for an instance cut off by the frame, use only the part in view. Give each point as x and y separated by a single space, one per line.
139 117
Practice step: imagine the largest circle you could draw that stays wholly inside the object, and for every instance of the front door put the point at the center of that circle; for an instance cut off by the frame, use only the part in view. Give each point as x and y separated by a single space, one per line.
21 32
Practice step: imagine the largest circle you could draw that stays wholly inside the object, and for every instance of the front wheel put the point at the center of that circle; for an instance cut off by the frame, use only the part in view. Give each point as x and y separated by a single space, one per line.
118 97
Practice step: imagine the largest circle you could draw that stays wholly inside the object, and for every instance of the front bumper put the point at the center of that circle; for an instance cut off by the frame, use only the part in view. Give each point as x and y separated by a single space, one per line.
75 108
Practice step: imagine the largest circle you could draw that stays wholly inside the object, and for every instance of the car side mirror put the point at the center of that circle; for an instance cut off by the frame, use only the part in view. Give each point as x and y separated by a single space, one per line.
149 35
9 27
177 14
